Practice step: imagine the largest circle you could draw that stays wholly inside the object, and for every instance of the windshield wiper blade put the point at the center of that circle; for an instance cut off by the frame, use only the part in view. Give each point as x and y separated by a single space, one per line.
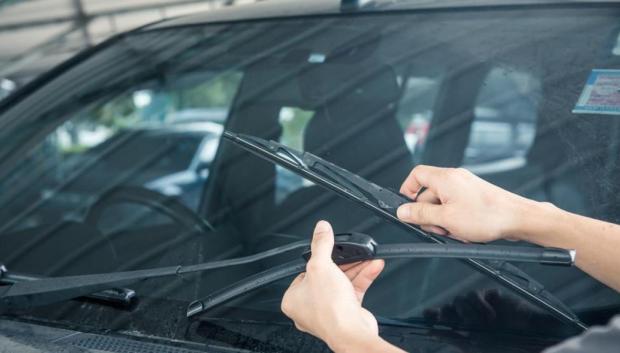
384 202
354 247
349 185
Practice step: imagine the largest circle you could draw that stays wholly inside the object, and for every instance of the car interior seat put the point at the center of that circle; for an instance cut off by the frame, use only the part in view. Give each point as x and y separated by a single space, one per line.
235 198
548 174
354 126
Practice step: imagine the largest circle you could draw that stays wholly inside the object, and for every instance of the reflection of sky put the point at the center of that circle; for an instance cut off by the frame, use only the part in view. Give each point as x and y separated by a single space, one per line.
616 49
207 154
83 137
6 87
142 98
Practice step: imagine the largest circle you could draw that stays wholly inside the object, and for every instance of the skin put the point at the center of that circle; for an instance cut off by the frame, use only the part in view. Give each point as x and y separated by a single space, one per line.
457 204
326 300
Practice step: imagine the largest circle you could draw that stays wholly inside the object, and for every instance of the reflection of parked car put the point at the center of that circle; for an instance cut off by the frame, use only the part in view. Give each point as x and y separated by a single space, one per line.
187 183
178 171
503 129
498 142
216 115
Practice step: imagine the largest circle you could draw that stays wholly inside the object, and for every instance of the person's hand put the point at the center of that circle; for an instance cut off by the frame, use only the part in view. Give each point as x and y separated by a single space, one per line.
461 205
326 300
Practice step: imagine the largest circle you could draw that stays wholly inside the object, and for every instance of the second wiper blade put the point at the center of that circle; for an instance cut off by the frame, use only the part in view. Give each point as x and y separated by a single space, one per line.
354 247
349 185
384 202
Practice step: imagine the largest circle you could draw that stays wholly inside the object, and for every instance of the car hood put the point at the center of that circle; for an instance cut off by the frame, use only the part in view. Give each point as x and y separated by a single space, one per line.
19 337
23 337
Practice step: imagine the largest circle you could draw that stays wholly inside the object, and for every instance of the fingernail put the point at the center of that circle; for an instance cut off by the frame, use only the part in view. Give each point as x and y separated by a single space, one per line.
378 267
322 227
402 212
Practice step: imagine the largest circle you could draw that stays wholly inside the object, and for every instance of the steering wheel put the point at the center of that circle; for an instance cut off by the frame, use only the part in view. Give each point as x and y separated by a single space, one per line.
169 206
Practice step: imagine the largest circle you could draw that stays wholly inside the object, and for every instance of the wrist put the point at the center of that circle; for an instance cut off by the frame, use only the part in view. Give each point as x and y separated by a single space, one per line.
357 342
351 339
530 220
513 217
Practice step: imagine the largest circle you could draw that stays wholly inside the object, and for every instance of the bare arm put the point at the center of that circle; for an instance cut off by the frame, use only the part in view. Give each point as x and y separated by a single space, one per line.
461 205
326 300
597 242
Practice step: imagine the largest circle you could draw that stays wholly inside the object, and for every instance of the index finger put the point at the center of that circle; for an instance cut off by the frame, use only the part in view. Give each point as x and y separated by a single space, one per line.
422 176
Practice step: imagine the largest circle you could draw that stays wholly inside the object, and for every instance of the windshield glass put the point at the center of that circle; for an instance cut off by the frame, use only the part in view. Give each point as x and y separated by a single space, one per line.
492 91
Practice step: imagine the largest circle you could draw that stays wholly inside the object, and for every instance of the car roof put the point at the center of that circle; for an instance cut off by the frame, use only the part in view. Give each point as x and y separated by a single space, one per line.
295 8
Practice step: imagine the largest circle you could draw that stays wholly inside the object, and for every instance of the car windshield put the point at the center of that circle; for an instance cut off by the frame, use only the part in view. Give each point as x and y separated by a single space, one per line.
88 156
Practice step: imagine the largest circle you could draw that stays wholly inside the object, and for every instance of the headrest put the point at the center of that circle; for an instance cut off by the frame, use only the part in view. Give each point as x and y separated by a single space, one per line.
343 85
356 123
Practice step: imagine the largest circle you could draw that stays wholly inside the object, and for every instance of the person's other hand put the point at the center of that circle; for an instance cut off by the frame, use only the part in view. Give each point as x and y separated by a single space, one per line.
460 204
326 300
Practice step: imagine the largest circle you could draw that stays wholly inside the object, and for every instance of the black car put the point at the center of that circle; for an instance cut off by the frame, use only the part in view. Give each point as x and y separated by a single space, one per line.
520 92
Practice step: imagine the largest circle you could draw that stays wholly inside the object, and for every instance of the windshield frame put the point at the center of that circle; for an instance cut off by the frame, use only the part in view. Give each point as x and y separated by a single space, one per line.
67 65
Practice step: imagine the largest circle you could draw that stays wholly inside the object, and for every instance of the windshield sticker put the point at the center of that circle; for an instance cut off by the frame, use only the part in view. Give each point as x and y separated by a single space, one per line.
601 95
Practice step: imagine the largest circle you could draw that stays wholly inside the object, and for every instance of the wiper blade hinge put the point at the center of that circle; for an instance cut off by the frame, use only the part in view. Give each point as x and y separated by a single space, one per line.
383 198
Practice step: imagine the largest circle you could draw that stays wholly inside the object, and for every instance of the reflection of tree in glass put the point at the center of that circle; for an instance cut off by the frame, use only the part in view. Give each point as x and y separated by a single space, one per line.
293 122
218 91
118 113
155 105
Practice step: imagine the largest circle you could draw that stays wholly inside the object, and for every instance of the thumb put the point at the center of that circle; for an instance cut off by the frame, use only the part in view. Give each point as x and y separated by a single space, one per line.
421 213
322 242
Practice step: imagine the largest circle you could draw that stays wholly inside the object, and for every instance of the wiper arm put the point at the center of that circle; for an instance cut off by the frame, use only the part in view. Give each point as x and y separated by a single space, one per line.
384 203
26 294
117 296
354 247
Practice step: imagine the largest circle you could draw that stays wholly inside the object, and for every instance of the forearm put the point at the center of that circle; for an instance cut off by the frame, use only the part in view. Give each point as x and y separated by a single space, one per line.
374 344
596 242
